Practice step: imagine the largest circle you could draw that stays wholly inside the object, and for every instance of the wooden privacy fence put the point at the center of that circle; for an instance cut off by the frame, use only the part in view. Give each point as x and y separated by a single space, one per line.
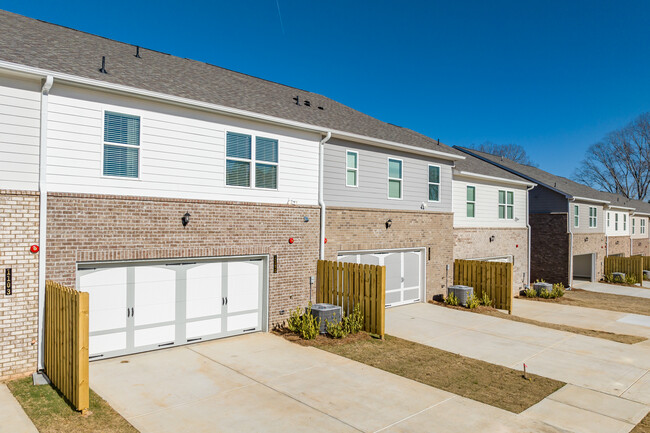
627 265
351 284
493 278
646 263
66 342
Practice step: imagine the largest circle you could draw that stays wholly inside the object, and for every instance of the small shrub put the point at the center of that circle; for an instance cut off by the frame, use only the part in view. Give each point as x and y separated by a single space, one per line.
473 301
452 300
540 280
544 294
485 300
558 290
530 292
303 323
337 330
609 278
630 279
354 322
645 277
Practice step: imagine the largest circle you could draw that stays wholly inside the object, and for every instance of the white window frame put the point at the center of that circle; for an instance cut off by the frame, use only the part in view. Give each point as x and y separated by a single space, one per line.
608 215
119 110
505 205
642 226
468 202
251 161
615 221
624 222
633 224
576 215
355 169
593 218
433 183
401 180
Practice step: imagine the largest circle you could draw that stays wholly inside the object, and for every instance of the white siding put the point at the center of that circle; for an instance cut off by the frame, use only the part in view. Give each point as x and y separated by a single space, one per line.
182 151
610 230
637 233
19 133
583 218
487 204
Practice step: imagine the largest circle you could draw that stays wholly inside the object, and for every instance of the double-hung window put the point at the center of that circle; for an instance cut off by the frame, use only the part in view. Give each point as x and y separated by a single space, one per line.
394 178
616 222
624 221
642 225
351 168
576 216
593 217
608 215
471 201
506 205
434 183
121 145
633 225
248 165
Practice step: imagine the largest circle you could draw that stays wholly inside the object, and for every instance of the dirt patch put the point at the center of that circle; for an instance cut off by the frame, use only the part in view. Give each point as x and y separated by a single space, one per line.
643 426
50 412
491 384
601 301
489 311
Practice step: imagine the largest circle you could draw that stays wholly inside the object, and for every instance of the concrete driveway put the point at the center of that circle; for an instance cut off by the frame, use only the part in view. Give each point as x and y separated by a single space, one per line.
603 374
639 292
261 382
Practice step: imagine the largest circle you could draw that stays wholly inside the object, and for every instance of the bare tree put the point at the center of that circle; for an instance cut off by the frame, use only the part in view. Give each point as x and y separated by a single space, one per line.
620 163
513 152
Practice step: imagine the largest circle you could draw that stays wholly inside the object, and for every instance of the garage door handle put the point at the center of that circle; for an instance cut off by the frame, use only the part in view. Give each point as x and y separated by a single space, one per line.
132 312
226 300
128 312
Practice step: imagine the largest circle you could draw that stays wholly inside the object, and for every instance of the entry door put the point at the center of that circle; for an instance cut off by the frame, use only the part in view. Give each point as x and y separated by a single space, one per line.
403 273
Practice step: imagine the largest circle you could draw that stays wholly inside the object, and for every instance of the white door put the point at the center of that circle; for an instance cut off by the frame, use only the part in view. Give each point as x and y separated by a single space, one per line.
404 280
140 307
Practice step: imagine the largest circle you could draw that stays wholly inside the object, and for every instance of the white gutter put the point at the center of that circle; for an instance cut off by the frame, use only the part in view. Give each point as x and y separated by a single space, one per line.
570 225
119 88
611 206
42 225
493 178
590 200
321 200
529 232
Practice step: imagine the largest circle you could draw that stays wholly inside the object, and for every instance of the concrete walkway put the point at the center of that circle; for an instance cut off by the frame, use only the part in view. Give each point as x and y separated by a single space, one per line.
261 382
604 374
13 418
581 317
614 289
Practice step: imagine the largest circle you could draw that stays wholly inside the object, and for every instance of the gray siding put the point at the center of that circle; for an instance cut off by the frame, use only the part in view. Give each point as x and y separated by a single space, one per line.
544 200
583 218
372 191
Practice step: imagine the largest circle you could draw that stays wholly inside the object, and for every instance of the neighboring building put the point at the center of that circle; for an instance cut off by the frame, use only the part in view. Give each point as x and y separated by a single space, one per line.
490 207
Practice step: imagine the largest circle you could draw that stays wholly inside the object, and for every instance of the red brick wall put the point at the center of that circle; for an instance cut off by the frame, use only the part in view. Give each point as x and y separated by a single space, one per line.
365 229
18 312
98 228
549 258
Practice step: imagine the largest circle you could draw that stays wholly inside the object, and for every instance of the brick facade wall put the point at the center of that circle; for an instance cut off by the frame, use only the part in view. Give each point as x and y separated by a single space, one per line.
471 243
591 244
641 246
549 258
100 227
19 312
365 229
618 245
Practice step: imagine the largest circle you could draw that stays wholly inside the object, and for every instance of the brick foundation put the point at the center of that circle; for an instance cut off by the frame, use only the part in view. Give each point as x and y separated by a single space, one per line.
19 312
365 229
472 243
618 245
549 258
100 227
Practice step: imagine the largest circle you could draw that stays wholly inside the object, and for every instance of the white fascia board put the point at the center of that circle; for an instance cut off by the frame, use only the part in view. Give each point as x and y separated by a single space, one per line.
592 200
493 178
612 206
147 94
641 213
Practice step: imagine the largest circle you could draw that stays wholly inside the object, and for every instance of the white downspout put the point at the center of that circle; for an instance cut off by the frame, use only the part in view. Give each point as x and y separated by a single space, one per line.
570 226
42 225
528 189
321 200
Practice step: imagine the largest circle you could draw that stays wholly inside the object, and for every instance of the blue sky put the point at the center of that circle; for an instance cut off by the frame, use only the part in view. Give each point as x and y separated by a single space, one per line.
552 76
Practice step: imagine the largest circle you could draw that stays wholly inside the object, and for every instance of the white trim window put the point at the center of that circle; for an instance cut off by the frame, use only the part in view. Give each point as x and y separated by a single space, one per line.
642 226
576 216
593 217
395 178
624 222
241 154
608 215
121 145
616 222
434 183
633 225
351 168
506 204
471 201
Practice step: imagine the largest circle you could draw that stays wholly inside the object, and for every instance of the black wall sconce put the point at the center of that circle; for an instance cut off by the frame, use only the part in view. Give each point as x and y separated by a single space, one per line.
186 219
492 238
389 223
616 242
586 238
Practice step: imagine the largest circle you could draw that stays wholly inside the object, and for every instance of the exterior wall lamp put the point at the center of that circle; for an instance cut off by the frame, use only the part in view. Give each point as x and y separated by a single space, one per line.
389 223
492 238
186 219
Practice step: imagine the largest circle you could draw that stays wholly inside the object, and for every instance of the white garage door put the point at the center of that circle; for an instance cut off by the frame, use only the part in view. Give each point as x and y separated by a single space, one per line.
144 306
404 279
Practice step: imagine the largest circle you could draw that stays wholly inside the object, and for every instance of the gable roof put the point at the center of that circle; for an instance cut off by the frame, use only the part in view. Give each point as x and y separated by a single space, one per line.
46 46
473 165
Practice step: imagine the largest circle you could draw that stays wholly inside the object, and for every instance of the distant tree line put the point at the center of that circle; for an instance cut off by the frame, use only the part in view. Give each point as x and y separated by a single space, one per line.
513 152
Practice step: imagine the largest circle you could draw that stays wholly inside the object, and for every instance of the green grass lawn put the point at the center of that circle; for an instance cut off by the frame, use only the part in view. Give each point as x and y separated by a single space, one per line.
50 412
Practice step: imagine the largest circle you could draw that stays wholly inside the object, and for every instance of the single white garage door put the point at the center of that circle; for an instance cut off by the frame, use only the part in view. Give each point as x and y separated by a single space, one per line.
135 307
404 279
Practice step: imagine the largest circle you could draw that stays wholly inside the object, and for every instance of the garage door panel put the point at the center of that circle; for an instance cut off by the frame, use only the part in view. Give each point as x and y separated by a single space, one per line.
412 269
369 259
393 263
204 293
243 286
201 328
155 295
107 299
113 342
154 336
243 321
